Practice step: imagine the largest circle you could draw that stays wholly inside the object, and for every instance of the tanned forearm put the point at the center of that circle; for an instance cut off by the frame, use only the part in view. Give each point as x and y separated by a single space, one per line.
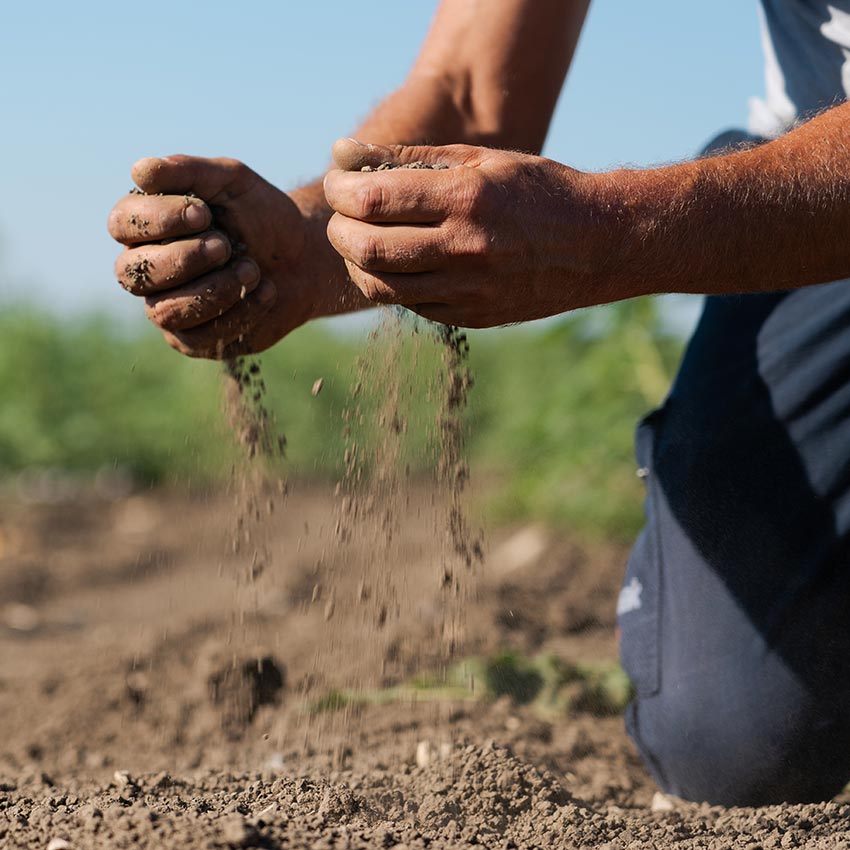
768 218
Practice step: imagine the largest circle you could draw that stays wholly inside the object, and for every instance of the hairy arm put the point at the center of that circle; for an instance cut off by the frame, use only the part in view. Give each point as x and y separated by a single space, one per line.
772 217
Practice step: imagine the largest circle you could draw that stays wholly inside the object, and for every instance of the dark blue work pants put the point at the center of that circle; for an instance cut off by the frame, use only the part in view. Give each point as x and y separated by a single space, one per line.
735 612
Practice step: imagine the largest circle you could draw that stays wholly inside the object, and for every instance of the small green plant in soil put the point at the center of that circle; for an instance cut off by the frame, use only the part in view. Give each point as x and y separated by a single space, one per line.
547 683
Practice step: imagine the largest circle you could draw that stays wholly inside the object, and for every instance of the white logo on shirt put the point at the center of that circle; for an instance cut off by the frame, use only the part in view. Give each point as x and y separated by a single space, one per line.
629 599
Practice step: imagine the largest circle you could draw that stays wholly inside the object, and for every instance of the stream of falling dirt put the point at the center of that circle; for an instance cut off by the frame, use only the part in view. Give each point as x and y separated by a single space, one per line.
385 630
255 489
363 596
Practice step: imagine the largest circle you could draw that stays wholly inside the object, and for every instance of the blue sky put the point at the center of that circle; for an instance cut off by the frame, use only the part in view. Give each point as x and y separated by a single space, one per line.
90 87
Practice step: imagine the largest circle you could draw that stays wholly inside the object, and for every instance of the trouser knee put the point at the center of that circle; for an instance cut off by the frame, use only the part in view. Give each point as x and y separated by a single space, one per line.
757 754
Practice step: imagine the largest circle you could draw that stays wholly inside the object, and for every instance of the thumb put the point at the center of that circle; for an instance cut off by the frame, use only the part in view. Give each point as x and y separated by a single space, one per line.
179 174
351 155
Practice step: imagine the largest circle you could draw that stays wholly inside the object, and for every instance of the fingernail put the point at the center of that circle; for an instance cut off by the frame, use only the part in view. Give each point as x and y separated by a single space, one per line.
195 216
217 248
359 144
247 271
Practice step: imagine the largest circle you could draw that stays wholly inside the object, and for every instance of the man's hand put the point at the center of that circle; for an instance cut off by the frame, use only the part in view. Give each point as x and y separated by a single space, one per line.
493 237
502 237
217 253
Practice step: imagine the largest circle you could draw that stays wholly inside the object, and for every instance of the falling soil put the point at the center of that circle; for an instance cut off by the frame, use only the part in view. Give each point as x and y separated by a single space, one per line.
375 487
255 479
375 497
453 468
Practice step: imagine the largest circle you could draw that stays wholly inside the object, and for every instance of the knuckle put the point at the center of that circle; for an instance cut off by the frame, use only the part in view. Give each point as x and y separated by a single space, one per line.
469 155
165 313
168 218
369 200
232 164
369 251
475 194
477 244
376 291
182 259
239 177
178 265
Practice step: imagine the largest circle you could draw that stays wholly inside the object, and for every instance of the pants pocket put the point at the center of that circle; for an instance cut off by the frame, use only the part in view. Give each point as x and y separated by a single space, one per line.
639 604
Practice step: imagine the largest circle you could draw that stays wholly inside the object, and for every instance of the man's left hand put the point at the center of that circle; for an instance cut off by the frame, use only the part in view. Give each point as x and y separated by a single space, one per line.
491 237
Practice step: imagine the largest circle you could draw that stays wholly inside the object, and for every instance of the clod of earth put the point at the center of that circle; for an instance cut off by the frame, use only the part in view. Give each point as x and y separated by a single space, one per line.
240 687
138 273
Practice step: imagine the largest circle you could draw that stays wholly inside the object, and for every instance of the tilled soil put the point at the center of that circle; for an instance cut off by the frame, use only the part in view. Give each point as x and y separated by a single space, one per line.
150 697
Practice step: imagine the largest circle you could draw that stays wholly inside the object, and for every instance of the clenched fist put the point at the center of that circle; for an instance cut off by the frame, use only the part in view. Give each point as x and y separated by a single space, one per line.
218 254
491 237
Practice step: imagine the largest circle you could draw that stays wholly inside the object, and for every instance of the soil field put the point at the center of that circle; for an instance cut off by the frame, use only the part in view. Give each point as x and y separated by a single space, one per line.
153 696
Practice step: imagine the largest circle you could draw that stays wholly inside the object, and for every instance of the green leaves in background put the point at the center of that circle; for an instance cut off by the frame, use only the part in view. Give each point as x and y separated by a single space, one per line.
550 424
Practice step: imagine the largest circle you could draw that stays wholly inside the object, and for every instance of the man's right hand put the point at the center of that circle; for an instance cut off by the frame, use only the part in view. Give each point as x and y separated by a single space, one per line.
217 253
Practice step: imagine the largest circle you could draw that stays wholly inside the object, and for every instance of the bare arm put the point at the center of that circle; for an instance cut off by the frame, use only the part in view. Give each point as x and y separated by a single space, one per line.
489 73
772 217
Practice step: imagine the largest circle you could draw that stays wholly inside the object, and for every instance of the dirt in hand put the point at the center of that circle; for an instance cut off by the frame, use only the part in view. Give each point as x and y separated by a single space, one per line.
415 166
138 273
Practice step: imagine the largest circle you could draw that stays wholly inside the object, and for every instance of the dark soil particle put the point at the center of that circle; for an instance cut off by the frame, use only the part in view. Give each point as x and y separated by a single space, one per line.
138 222
138 273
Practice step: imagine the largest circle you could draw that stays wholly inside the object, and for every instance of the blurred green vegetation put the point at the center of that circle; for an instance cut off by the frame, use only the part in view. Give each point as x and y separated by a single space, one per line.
550 684
550 421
